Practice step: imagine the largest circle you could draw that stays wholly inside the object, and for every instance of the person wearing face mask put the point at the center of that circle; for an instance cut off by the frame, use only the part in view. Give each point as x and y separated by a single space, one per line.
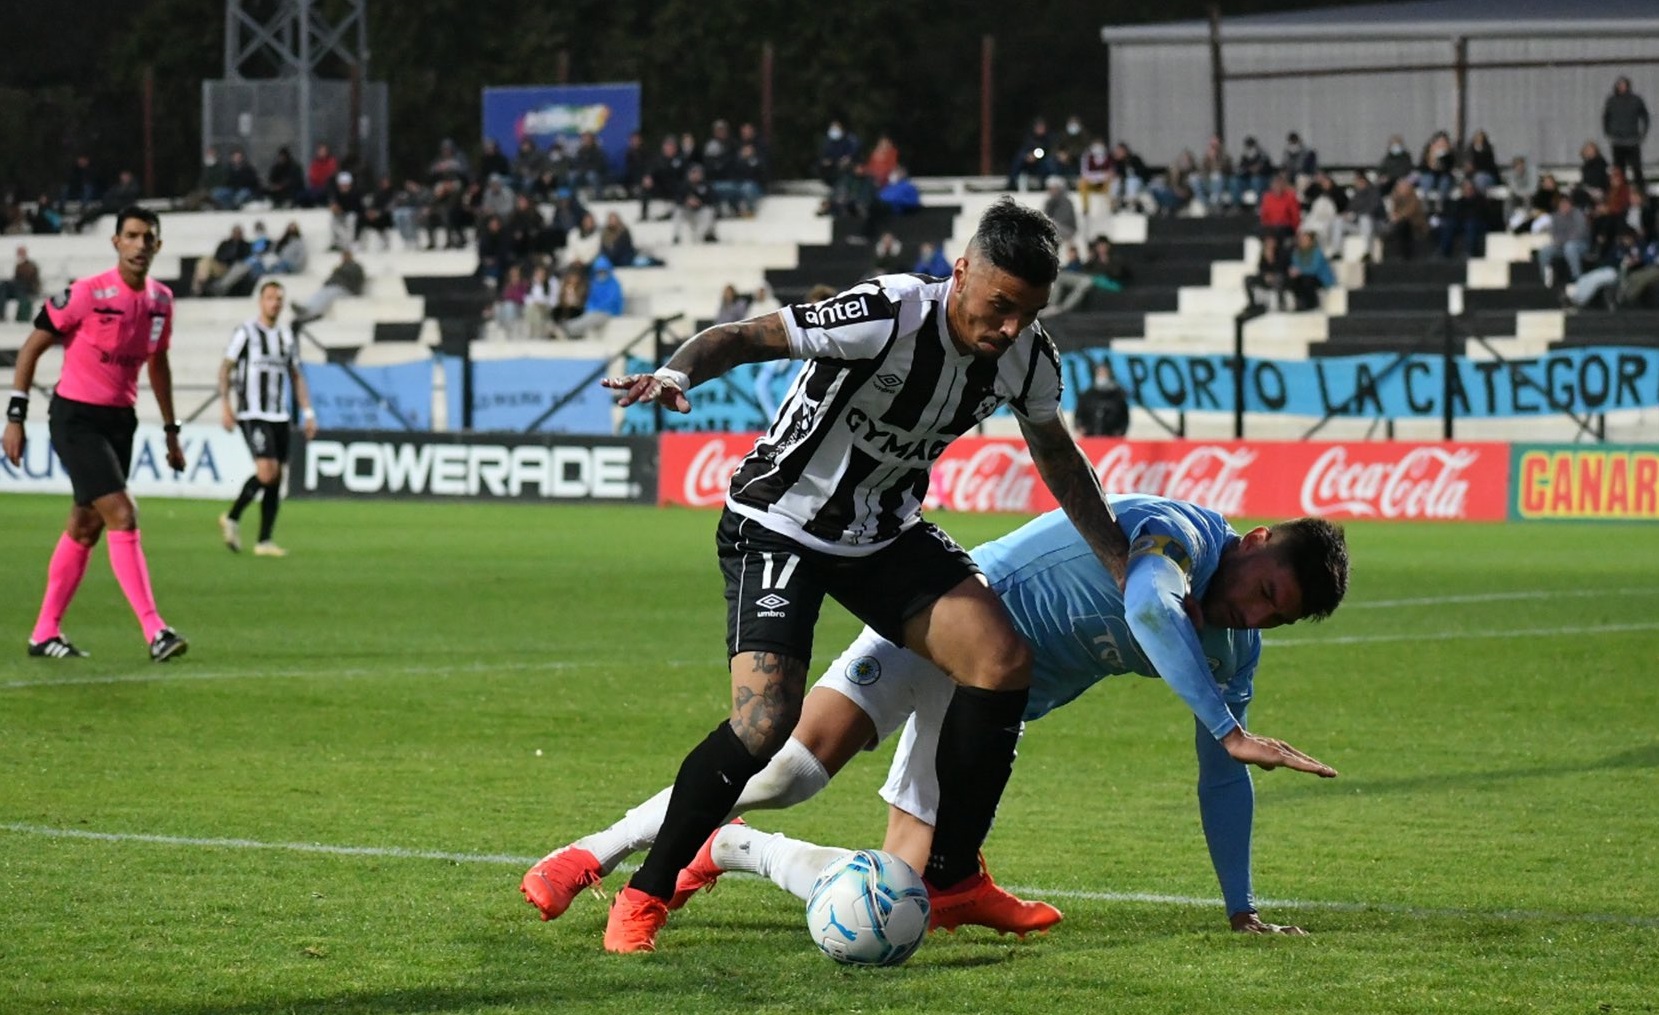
837 154
1071 145
1395 164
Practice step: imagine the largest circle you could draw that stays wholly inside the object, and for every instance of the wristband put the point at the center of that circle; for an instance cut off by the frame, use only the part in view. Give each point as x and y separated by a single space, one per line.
170 428
673 378
308 413
17 410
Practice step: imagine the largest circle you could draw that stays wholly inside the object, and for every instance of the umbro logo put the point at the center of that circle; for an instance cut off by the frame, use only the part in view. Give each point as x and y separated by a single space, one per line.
771 602
889 382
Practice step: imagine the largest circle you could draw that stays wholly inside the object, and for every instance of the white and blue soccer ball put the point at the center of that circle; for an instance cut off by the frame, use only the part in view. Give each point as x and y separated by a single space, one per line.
868 908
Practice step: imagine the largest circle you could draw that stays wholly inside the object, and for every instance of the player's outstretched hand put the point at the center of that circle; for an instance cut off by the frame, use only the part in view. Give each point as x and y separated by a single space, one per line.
1250 923
12 443
1269 753
648 388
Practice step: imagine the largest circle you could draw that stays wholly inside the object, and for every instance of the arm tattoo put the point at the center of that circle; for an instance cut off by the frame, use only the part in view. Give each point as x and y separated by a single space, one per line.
1069 476
711 353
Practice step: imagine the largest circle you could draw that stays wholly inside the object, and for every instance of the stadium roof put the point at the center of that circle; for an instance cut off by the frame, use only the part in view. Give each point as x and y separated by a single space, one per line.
1415 19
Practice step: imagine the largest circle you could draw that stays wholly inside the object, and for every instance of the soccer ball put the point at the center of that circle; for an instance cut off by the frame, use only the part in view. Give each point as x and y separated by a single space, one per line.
868 908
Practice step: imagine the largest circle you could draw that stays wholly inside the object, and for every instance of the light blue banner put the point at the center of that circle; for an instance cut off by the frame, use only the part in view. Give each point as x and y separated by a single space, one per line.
741 401
344 404
510 394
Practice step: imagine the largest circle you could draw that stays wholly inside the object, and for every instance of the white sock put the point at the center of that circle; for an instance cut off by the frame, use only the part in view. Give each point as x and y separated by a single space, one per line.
791 864
636 831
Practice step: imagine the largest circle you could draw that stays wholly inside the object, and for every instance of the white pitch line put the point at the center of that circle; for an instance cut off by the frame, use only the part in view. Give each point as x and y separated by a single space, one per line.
1525 632
183 673
1152 898
1499 597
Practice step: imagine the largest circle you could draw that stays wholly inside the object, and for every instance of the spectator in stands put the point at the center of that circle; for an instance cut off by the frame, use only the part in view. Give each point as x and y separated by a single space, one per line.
212 183
1266 288
1436 166
1640 215
528 163
573 296
1173 190
538 302
1359 217
23 286
283 181
1593 177
1069 147
498 199
82 185
525 228
1394 166
1640 284
694 208
1255 172
617 243
719 163
1569 231
125 191
1129 175
1465 217
495 250
1300 163
1323 217
761 301
409 210
1034 159
583 242
604 302
509 302
345 211
734 306
347 279
1540 206
889 256
1101 271
884 158
250 267
1094 174
1070 259
590 169
567 215
635 163
558 163
1058 207
45 219
1609 215
931 260
1624 255
492 161
231 251
377 211
1280 212
1480 161
1308 273
1624 120
1408 219
242 183
663 180
1213 185
897 197
288 256
1103 409
451 165
749 175
1520 183
837 154
319 176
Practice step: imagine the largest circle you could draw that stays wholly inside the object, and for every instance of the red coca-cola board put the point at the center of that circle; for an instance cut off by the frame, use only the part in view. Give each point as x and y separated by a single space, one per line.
1262 479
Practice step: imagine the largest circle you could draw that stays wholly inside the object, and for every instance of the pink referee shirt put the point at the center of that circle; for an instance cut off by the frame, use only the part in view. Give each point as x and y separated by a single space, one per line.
109 331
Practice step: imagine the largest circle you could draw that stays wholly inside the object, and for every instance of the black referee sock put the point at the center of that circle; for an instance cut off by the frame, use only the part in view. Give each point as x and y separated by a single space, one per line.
243 499
710 781
268 509
976 756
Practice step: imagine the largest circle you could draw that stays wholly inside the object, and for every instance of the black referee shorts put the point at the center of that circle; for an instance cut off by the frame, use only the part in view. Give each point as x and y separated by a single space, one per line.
266 439
94 442
775 585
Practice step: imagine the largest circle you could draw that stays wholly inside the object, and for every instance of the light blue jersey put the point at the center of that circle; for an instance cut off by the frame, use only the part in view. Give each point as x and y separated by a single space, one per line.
1071 611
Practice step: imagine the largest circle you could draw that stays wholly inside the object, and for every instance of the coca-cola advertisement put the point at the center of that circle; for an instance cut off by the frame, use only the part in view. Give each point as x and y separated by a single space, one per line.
1258 479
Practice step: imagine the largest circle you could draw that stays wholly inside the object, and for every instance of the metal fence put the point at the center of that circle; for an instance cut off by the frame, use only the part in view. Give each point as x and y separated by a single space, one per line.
260 116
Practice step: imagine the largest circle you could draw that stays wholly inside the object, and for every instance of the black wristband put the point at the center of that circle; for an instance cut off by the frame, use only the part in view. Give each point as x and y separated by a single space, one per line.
17 410
170 428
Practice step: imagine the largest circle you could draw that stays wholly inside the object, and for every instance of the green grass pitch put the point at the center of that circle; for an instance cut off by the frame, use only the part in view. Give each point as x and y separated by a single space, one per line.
458 689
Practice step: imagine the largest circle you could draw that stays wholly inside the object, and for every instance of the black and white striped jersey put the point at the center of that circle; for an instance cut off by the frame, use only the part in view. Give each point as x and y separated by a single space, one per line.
260 380
844 468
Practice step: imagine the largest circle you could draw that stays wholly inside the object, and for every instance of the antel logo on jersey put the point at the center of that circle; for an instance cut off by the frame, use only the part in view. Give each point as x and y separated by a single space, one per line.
468 470
710 473
1424 483
1209 476
831 313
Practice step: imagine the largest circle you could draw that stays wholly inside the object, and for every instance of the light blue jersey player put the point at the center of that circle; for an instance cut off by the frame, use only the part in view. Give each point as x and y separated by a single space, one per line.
1186 562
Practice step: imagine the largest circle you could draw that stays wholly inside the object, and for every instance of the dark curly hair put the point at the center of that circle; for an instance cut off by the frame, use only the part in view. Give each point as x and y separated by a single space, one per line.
1317 553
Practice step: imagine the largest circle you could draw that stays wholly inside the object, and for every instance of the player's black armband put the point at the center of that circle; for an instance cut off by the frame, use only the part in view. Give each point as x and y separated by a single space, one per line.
17 409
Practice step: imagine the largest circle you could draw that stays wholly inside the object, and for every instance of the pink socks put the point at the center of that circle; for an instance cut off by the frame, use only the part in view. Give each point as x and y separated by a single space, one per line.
126 557
63 577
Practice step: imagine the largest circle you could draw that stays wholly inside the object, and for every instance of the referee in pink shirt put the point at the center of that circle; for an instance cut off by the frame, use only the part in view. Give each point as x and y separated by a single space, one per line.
109 325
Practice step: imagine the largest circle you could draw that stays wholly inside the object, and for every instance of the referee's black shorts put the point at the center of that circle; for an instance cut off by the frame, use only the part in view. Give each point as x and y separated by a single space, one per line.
775 585
94 442
266 438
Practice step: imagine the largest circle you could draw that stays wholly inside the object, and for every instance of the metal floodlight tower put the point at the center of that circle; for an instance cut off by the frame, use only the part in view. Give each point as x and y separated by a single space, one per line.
292 38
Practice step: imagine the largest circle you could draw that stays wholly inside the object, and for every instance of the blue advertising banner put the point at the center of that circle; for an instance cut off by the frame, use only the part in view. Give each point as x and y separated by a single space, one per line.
509 394
545 112
344 404
742 401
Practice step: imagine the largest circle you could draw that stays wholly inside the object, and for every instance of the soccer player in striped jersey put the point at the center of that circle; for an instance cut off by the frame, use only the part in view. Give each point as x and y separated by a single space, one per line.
829 503
262 372
110 325
1186 564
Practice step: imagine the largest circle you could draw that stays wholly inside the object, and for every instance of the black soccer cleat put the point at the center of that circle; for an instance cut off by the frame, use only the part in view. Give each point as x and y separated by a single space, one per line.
167 644
56 647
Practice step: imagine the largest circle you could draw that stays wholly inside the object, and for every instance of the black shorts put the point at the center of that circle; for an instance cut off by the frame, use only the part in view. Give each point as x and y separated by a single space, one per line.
775 585
266 439
94 442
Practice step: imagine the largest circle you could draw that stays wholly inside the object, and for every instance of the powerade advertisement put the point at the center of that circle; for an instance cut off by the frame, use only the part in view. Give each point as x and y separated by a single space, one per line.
544 112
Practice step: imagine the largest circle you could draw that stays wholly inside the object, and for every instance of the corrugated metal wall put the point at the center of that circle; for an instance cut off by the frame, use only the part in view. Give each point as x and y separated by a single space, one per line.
1161 99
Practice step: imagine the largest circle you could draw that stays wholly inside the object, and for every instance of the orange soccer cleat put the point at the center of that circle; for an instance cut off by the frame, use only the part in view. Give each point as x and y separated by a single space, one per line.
978 902
635 919
554 883
700 874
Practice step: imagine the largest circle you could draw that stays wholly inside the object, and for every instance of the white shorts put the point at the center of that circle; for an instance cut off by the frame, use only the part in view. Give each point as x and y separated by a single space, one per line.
893 685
